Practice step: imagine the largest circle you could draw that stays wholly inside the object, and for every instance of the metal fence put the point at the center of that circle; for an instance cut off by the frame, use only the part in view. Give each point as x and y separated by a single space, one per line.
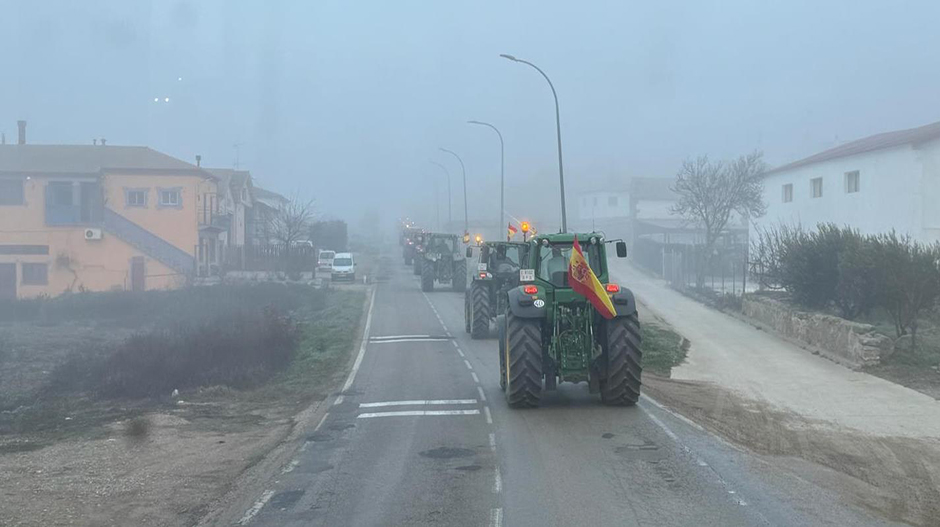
688 266
272 258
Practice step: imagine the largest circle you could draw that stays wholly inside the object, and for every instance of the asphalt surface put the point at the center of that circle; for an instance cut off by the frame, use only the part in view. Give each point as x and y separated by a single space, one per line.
422 436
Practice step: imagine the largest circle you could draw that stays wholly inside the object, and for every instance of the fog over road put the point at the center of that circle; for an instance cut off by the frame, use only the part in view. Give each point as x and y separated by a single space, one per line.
423 436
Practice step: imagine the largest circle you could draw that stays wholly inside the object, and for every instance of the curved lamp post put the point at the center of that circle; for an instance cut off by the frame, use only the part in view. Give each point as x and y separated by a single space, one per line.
466 220
502 167
449 200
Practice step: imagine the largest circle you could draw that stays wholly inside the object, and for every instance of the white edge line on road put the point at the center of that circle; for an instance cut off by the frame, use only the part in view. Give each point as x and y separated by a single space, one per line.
496 517
392 337
492 441
672 435
497 481
482 395
362 345
291 466
417 403
322 420
673 413
256 508
489 416
418 413
475 378
469 367
339 400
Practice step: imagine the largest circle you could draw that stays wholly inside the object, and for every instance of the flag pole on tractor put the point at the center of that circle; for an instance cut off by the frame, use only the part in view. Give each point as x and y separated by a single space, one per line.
583 281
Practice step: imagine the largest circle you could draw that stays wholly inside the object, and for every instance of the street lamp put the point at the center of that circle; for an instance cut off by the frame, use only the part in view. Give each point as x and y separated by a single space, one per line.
561 171
449 200
502 166
466 218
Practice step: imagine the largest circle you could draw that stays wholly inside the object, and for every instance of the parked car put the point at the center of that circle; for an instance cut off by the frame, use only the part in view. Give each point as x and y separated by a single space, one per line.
325 260
344 267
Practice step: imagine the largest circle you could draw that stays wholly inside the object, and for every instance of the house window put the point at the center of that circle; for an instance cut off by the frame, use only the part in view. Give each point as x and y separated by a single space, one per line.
60 194
35 274
171 197
135 197
816 186
11 192
612 201
851 182
788 193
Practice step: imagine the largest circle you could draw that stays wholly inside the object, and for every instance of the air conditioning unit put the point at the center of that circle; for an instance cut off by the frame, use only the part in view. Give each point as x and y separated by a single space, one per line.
92 234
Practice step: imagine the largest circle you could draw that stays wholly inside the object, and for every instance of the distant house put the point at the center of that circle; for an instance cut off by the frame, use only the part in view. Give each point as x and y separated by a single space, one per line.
641 206
876 184
266 205
235 191
96 217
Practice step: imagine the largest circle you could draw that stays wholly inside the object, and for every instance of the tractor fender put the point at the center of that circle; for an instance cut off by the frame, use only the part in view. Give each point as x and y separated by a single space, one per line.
624 302
522 305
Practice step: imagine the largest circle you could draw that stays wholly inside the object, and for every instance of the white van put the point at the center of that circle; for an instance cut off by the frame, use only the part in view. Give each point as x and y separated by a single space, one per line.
344 267
325 260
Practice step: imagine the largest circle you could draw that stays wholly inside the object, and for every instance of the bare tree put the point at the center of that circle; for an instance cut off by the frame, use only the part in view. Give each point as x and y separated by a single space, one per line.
291 222
710 192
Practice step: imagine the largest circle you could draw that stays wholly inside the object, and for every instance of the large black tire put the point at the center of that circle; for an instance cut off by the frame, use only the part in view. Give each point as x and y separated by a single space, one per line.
459 280
466 311
621 387
427 275
480 313
417 267
523 351
501 337
408 259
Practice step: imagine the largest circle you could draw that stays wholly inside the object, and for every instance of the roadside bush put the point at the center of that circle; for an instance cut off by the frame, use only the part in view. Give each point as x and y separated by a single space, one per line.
908 281
236 348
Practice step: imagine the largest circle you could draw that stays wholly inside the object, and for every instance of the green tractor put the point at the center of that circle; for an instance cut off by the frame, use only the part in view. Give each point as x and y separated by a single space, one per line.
407 240
418 241
548 333
497 271
442 261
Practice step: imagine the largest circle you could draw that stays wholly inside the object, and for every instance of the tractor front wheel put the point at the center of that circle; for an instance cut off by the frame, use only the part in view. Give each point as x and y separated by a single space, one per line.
427 275
459 280
501 337
523 351
621 387
479 310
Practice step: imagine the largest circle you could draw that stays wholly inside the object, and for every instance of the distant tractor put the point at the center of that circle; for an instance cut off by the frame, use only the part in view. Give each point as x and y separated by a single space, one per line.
497 271
407 240
548 333
443 262
419 240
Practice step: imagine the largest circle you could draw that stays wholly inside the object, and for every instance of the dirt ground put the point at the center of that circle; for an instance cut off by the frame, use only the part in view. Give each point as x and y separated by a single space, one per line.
896 477
119 463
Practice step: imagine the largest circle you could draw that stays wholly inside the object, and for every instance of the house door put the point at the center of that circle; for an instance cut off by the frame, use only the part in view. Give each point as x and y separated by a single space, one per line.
7 281
138 272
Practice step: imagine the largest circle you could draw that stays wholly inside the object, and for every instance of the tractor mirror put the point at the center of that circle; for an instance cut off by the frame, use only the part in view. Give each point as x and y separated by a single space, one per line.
469 252
621 249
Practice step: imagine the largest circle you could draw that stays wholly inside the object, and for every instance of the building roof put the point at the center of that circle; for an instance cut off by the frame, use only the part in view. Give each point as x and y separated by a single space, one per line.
264 194
868 144
229 176
88 159
652 188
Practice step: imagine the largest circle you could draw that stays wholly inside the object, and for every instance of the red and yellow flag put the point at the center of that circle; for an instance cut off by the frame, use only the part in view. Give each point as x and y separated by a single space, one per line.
582 279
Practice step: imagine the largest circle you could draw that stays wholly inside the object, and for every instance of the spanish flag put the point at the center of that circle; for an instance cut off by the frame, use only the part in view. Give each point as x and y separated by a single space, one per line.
582 279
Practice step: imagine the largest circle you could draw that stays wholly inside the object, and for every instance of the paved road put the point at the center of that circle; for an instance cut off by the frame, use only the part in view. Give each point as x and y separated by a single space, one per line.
422 436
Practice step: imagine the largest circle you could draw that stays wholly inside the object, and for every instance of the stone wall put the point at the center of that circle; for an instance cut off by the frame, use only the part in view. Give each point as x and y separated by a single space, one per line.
844 341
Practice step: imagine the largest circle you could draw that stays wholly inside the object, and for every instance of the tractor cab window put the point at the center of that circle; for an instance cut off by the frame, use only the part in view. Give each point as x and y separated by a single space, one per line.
553 262
503 258
442 245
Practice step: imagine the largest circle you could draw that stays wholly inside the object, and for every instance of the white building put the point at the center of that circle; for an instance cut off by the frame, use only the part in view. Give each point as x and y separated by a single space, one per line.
876 184
603 205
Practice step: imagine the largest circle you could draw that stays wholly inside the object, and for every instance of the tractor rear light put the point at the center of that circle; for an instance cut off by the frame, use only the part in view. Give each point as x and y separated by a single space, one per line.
530 290
483 275
613 288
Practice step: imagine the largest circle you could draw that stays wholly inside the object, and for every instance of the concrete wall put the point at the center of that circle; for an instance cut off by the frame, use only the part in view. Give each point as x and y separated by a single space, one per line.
842 340
899 189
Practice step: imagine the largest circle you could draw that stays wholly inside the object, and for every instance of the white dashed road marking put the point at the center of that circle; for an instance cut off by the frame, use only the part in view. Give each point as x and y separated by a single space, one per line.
482 395
418 413
418 403
496 517
489 417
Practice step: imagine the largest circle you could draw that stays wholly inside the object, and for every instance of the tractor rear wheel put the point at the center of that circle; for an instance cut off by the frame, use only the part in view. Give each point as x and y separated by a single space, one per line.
416 268
523 351
466 311
479 310
459 280
501 337
621 387
427 275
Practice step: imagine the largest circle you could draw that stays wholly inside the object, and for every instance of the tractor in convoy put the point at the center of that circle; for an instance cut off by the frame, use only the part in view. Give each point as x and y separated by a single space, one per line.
442 262
548 333
497 271
407 239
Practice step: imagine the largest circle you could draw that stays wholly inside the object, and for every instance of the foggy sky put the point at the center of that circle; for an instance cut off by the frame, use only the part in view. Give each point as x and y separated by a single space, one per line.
347 101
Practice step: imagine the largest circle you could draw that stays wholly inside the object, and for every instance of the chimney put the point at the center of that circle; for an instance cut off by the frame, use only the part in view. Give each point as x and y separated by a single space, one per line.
22 127
198 160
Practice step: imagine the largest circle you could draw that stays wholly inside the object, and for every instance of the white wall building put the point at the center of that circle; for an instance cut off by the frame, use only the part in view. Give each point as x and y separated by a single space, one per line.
603 205
876 184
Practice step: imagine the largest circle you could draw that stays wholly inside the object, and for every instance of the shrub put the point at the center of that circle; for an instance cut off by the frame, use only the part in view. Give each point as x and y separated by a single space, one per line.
907 281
